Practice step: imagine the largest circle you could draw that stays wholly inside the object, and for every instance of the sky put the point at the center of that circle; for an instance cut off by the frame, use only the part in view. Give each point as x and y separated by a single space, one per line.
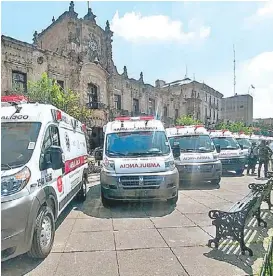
162 39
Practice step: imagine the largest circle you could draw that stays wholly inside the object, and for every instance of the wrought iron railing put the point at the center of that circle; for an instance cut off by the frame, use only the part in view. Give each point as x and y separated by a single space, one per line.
267 268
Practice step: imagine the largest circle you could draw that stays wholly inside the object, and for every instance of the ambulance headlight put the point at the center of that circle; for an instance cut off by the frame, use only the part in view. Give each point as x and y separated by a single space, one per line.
14 183
109 165
170 165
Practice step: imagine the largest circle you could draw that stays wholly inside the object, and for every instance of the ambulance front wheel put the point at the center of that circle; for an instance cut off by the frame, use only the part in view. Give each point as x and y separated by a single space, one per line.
44 233
216 182
81 196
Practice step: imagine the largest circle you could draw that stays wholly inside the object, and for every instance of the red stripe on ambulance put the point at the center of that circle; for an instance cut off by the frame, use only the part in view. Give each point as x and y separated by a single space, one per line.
73 164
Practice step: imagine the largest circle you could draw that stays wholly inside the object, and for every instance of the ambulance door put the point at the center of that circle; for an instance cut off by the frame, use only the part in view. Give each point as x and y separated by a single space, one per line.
72 176
50 176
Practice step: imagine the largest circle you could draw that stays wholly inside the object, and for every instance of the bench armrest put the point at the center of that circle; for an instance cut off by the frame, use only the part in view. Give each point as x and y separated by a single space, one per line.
214 214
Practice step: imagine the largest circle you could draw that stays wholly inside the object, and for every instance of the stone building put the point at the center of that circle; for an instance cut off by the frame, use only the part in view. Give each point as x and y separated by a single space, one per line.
238 108
191 98
77 53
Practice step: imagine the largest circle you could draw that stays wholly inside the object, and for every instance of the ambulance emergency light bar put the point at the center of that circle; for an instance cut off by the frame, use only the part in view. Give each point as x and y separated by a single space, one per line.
141 118
191 126
14 99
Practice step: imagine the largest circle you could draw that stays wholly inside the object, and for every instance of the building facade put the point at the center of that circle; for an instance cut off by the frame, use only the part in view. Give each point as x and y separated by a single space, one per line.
238 108
77 53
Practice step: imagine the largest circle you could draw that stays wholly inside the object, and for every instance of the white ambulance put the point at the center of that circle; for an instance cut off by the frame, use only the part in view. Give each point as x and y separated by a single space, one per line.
232 156
138 163
43 167
198 159
244 141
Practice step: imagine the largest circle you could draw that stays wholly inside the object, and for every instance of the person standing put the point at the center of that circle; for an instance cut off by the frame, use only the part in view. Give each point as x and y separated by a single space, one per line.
265 154
253 158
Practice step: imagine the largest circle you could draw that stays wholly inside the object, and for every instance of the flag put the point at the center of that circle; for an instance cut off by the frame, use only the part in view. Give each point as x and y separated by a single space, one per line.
252 86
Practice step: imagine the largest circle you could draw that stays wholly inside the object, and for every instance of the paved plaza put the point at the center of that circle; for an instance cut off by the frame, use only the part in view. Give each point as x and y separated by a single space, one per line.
149 239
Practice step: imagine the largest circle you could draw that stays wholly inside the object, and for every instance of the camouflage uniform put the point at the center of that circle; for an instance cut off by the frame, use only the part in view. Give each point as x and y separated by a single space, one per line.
264 156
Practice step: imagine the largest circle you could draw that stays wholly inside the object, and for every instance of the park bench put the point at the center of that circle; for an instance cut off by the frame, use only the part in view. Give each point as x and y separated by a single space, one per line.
231 224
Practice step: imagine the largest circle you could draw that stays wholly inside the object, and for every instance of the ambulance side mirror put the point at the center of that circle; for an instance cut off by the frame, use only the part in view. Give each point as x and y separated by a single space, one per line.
218 148
176 150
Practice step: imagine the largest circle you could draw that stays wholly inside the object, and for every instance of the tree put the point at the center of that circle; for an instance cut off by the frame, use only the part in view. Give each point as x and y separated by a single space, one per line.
235 127
48 91
187 120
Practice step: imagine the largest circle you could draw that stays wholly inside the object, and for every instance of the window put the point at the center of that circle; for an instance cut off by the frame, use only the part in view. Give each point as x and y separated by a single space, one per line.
206 97
193 143
60 83
151 108
165 111
51 138
136 144
206 113
92 96
117 101
176 114
19 81
18 140
135 105
241 106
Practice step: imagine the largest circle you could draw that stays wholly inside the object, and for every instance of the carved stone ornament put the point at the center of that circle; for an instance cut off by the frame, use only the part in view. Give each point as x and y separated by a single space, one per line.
40 60
35 38
71 6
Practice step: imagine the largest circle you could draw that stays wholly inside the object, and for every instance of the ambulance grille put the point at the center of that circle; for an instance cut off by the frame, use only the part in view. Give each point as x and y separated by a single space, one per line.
147 180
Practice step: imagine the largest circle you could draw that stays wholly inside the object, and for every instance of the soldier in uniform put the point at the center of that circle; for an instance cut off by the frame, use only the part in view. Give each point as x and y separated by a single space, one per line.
265 154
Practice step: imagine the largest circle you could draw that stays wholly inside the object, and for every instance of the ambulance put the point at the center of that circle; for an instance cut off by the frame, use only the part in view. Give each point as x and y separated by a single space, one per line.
43 167
138 163
231 155
244 141
198 158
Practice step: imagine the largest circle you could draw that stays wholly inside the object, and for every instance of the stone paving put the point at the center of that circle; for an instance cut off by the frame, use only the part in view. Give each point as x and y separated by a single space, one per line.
148 239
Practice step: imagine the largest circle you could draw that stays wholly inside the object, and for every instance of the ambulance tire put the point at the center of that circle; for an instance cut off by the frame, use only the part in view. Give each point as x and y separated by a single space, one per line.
173 201
240 172
216 182
81 196
107 202
44 225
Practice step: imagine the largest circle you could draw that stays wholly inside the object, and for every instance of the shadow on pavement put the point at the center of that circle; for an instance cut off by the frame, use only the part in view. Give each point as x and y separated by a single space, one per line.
229 251
231 174
93 207
198 186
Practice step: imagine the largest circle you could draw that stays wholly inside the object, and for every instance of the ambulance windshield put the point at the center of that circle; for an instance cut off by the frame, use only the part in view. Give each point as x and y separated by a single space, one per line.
18 141
193 143
244 142
226 143
137 143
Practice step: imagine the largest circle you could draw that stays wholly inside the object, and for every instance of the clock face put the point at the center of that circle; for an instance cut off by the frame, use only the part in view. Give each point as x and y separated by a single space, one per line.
93 45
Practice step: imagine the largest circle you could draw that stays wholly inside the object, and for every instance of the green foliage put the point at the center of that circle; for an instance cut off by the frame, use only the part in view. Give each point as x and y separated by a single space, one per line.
187 120
234 127
48 91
